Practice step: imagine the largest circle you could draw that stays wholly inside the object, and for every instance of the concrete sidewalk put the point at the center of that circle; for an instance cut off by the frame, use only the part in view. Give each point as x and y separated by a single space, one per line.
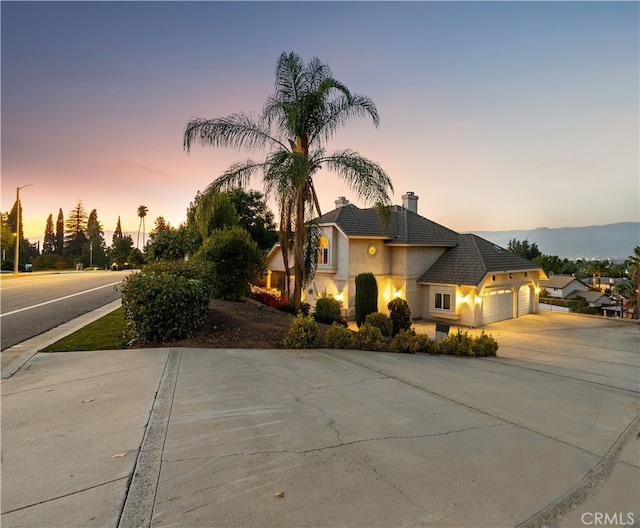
193 437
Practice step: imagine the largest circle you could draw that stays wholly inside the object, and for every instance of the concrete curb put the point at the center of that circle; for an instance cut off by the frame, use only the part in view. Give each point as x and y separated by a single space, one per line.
27 349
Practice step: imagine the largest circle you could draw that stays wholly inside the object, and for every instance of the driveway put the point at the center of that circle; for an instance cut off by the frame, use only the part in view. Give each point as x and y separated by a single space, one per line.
545 434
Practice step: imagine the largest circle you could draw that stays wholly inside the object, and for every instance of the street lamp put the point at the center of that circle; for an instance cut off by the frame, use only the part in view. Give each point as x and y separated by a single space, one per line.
15 260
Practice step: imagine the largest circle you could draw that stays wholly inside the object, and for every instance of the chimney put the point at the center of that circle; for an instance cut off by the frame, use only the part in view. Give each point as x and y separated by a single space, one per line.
341 202
410 202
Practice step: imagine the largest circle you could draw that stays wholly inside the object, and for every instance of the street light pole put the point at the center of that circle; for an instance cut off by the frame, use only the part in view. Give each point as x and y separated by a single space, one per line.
15 260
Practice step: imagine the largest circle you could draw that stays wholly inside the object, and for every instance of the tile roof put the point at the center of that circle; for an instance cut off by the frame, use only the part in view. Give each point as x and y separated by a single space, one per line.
589 295
406 227
559 281
471 260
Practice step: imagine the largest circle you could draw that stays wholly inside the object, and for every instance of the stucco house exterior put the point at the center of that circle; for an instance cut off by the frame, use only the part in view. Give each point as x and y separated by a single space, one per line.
561 286
444 275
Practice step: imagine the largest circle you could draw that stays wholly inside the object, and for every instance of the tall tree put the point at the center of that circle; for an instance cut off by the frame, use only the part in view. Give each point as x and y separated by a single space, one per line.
96 251
8 241
76 231
60 233
117 234
49 242
306 109
524 249
142 212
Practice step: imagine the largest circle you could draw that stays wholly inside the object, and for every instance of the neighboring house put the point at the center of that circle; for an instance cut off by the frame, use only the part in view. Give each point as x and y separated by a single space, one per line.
595 299
561 286
443 275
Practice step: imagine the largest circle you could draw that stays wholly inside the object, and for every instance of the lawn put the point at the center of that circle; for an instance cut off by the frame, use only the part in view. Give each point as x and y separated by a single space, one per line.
107 333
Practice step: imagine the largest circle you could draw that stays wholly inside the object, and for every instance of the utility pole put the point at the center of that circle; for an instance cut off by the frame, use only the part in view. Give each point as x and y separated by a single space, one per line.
15 260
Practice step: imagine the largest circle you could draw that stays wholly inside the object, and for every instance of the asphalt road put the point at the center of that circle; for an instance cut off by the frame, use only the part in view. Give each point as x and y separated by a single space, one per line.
33 303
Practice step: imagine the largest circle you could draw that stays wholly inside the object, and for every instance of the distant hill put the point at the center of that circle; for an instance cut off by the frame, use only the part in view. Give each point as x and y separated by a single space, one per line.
614 241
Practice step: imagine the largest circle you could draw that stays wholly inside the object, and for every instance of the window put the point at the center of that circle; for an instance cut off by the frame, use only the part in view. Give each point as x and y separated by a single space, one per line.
443 301
323 251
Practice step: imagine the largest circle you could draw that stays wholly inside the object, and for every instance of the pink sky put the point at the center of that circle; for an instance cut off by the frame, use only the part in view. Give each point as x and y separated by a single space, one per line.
499 115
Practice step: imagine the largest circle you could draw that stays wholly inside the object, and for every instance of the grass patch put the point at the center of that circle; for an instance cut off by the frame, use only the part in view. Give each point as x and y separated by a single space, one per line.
107 333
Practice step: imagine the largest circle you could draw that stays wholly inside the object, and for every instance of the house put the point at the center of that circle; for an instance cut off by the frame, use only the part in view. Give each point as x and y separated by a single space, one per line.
596 299
562 285
443 275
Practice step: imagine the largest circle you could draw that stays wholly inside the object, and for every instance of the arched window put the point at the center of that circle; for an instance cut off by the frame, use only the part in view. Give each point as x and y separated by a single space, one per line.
323 251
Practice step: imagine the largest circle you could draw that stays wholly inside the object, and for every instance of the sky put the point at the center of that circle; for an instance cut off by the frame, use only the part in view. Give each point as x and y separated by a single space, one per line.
498 115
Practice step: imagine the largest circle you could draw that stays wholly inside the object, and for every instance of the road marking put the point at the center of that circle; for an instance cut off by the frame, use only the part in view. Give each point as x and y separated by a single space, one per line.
56 300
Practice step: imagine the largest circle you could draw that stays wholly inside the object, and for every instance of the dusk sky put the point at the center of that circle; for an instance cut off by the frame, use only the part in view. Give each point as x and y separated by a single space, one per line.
498 115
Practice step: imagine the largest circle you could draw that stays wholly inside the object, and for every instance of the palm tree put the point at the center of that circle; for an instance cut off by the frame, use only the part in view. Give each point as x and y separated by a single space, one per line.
142 212
305 111
633 262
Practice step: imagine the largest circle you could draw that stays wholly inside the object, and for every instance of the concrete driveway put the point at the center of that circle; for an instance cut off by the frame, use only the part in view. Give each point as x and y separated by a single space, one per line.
544 435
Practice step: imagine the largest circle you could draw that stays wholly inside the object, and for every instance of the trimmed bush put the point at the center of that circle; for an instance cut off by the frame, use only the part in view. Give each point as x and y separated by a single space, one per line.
238 260
366 296
163 302
484 345
382 321
328 311
427 345
302 332
406 342
339 337
458 344
400 314
369 338
289 307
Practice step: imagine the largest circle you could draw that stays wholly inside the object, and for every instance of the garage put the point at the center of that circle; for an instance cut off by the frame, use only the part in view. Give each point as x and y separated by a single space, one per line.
524 300
497 305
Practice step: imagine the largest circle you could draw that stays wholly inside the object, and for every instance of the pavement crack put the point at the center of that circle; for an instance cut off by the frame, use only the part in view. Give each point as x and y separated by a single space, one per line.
65 495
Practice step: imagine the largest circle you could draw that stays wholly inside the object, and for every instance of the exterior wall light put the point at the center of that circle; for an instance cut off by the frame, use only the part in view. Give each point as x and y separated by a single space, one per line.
338 296
397 294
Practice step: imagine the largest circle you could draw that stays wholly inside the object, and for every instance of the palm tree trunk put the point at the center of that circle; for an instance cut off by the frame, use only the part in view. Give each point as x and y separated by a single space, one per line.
298 249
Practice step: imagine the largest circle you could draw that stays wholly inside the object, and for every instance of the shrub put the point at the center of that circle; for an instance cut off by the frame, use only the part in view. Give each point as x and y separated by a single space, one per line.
161 302
426 344
366 296
238 261
406 342
369 338
302 332
289 307
400 314
382 321
484 345
269 299
328 311
458 344
49 261
338 336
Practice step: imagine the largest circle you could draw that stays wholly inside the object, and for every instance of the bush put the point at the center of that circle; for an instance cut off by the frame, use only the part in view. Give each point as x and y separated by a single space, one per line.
238 261
382 321
269 299
328 311
459 344
484 345
48 261
302 332
426 344
406 342
366 296
369 338
289 307
338 336
163 302
400 314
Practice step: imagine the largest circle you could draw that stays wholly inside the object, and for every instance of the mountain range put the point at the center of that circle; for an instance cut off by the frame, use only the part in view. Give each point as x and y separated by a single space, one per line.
611 241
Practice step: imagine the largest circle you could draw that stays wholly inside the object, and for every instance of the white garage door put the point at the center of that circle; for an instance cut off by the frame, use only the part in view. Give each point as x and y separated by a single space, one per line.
497 305
524 300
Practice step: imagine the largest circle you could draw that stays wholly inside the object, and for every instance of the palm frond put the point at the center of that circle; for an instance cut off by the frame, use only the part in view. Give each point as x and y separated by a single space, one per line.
238 131
237 175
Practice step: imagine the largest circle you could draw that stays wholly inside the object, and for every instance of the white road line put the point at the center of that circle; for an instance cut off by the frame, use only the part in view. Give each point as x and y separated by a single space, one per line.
56 300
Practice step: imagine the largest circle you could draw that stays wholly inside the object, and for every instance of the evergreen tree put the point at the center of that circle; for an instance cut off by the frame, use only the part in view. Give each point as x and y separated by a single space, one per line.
59 245
12 219
117 234
49 243
76 231
96 251
8 241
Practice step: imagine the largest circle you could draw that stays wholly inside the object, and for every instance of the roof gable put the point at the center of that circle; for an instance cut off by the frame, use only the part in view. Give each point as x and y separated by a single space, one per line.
471 260
560 281
405 227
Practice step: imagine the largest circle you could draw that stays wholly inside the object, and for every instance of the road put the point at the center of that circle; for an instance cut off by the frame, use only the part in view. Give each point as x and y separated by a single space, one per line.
35 303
